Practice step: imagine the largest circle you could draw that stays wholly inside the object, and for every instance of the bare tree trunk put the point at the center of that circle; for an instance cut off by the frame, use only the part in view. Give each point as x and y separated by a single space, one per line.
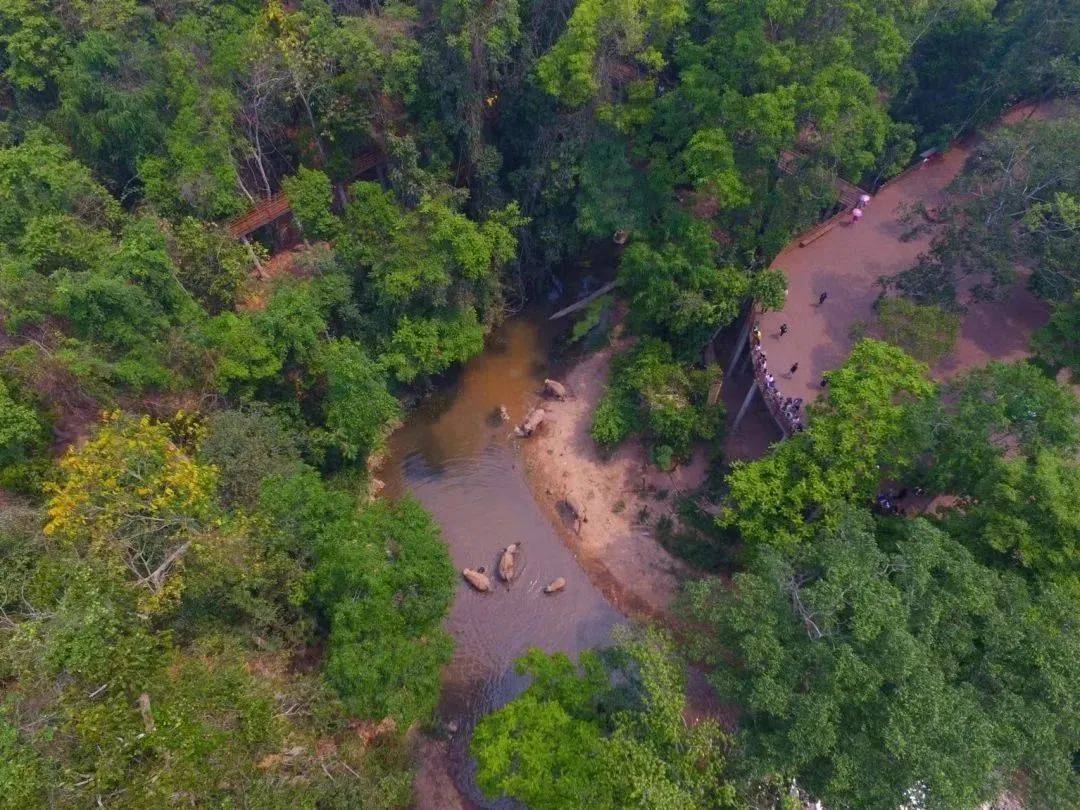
155 578
147 716
311 121
254 257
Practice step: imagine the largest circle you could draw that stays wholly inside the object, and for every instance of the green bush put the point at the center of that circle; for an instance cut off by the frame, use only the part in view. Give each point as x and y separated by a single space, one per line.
615 418
925 331
382 582
652 394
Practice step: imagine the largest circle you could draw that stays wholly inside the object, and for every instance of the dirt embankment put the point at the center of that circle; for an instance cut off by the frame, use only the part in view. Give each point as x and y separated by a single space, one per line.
623 497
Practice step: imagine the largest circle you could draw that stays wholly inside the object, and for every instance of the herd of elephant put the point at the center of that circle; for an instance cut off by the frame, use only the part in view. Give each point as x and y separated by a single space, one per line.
481 581
479 578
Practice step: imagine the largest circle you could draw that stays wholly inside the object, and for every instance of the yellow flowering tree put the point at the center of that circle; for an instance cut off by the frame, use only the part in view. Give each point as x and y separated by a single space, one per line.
132 499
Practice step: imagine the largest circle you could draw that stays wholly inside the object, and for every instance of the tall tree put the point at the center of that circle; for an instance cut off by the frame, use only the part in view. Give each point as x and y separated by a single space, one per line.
879 667
858 435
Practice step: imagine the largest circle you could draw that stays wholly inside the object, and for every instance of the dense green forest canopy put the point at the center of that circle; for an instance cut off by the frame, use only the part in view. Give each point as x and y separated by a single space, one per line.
197 590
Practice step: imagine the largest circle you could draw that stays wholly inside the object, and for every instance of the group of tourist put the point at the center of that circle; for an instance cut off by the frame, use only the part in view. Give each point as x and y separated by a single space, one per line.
786 410
887 502
857 211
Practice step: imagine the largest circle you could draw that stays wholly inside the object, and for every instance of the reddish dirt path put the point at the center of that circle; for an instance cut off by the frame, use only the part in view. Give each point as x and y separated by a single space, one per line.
846 263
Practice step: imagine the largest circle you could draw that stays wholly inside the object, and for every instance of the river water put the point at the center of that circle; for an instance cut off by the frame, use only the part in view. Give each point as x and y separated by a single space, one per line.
466 468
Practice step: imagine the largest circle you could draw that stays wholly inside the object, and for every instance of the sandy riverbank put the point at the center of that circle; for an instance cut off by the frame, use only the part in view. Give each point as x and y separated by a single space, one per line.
614 545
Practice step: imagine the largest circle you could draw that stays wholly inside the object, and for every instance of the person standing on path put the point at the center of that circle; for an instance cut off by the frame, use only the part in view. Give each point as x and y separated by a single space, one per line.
783 329
856 215
793 369
821 298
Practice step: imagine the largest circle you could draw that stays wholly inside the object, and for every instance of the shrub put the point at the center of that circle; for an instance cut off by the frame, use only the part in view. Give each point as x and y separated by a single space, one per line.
246 446
650 393
925 331
615 418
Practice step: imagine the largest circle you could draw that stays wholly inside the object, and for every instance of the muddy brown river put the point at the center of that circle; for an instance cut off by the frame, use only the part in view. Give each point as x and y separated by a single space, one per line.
466 468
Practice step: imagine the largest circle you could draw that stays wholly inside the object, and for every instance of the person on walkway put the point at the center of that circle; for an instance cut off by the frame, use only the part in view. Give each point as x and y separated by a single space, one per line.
757 334
783 329
770 380
824 381
793 369
864 200
856 215
821 298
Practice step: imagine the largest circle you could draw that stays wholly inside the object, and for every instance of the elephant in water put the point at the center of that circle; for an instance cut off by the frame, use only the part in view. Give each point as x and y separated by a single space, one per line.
507 562
554 388
555 585
477 578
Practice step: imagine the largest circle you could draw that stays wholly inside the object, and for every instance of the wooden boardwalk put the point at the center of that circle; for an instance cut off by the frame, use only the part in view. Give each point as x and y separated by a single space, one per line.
277 206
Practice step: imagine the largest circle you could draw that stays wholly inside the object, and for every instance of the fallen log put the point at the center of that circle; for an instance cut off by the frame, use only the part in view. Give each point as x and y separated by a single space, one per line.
584 302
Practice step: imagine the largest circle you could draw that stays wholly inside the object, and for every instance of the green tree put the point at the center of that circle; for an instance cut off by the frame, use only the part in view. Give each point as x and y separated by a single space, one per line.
637 30
311 197
39 177
677 291
426 346
383 580
360 411
876 665
210 265
861 433
980 418
1023 511
768 288
1058 343
20 429
246 446
110 94
29 40
608 733
243 355
709 162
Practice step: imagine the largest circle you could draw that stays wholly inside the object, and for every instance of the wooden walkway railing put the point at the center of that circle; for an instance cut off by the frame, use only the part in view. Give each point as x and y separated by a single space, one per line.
262 214
277 206
849 196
